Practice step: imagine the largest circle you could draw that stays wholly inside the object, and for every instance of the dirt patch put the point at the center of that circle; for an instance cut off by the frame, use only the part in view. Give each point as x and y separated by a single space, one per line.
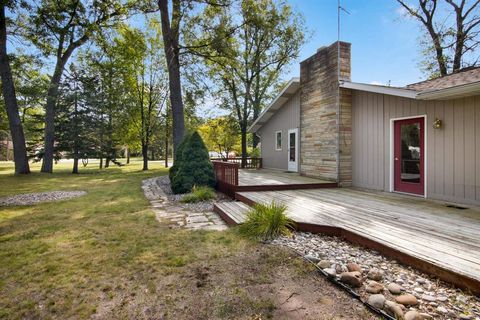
262 282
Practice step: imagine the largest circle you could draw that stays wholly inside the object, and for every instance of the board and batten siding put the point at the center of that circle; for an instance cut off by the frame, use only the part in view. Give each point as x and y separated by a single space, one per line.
453 151
285 118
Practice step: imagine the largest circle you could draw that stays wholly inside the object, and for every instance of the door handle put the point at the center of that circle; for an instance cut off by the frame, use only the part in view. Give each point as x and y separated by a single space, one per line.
396 159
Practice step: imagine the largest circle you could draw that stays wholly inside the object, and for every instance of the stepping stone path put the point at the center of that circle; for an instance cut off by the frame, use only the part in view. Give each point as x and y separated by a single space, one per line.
175 215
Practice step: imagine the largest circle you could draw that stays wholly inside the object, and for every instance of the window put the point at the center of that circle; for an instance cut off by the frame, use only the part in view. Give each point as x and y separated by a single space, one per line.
278 140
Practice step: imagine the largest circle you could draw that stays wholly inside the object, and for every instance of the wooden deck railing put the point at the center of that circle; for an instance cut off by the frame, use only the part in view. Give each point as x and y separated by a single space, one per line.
247 163
226 175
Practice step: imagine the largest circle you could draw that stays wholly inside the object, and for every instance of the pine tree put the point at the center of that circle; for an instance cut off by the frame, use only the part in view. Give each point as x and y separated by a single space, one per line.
195 168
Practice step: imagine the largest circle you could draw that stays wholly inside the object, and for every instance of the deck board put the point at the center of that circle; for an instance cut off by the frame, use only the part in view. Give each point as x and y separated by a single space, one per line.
427 230
255 177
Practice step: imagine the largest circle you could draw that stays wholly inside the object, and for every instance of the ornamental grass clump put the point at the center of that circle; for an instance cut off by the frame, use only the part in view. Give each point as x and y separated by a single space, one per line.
266 222
199 194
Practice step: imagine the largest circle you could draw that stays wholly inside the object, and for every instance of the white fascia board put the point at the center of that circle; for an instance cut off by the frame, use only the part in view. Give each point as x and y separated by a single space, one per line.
464 90
279 100
399 92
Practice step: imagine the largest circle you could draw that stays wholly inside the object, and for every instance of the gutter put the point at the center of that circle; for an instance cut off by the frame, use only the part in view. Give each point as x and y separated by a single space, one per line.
449 93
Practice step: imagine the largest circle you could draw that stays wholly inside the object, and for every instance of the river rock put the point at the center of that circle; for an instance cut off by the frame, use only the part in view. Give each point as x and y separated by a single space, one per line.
353 267
312 258
394 288
374 287
375 274
394 309
330 271
376 300
428 298
353 278
407 300
425 316
412 315
442 310
324 264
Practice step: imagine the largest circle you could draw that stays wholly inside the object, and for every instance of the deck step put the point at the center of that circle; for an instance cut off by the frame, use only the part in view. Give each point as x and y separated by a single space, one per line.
232 212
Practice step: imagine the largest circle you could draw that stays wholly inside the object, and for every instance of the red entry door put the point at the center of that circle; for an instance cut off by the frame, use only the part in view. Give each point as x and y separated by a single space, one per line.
409 141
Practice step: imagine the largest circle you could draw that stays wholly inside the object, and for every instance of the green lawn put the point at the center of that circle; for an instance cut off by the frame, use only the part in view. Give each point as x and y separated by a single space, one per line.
105 256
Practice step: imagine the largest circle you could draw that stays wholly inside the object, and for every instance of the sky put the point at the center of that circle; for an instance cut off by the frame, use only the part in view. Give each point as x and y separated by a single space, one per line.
384 42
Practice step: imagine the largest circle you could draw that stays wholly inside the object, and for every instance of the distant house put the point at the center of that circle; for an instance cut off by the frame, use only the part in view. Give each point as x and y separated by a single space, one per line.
422 139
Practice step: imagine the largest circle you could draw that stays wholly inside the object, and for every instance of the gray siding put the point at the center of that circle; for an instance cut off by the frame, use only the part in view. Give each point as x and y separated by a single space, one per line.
287 117
453 152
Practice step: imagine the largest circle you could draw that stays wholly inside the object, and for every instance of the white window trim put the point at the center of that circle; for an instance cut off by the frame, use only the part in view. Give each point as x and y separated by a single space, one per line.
425 162
281 140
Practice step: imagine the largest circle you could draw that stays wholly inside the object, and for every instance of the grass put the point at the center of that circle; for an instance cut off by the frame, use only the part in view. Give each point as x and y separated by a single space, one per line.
105 256
60 258
198 194
267 221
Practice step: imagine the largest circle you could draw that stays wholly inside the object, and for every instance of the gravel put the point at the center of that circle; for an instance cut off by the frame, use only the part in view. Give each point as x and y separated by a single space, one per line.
39 197
435 298
204 206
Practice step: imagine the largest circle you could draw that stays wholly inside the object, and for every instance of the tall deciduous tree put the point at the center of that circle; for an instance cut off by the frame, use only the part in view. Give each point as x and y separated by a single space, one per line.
171 34
179 25
451 39
221 134
8 91
144 81
249 63
58 28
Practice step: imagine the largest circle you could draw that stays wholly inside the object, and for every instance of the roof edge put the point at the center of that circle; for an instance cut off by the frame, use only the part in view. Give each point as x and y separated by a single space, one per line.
459 91
257 123
393 91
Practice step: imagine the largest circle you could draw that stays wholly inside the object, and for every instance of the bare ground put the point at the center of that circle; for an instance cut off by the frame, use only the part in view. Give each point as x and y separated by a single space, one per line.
262 282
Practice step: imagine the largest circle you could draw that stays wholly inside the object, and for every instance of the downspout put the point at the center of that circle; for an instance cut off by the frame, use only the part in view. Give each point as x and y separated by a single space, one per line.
338 95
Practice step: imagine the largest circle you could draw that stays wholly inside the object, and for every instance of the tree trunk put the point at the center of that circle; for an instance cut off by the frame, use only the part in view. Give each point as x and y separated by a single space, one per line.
101 163
244 145
8 90
170 40
107 162
255 138
49 138
75 162
128 155
145 156
166 152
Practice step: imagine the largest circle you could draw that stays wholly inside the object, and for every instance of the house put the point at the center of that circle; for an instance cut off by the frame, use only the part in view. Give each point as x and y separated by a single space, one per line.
422 139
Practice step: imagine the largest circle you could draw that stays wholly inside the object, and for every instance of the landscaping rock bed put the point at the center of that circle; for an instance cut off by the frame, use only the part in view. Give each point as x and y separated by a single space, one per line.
39 197
401 291
164 183
169 209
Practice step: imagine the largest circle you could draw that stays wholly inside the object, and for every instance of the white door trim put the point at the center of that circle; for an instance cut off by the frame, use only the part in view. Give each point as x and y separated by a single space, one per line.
392 148
292 166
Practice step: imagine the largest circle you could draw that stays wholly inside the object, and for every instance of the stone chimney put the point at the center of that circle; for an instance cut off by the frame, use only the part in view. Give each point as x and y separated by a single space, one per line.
325 115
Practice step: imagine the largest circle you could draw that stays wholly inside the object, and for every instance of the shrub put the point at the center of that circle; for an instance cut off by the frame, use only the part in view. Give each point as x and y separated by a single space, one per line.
178 158
266 222
195 168
199 194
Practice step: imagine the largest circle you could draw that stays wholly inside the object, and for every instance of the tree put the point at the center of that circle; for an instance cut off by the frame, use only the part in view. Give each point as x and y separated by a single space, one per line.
247 65
58 28
221 134
182 24
195 168
144 81
171 34
9 95
451 40
75 122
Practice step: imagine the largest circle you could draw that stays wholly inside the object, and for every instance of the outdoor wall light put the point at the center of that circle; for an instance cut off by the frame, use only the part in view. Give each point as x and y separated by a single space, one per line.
437 124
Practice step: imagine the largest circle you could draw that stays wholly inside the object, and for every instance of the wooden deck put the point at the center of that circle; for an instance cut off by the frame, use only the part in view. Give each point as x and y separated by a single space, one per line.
268 180
437 239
